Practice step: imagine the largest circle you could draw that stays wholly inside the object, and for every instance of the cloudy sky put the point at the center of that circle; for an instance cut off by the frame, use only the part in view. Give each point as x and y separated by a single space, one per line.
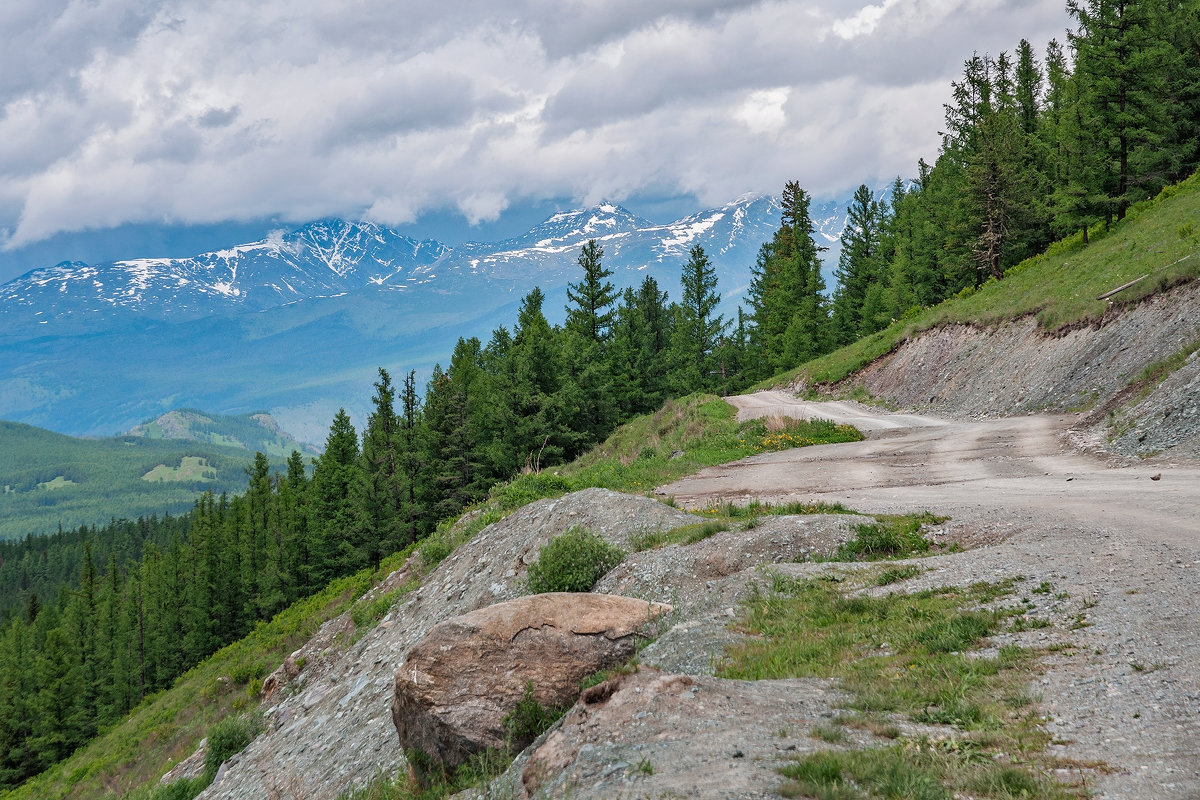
122 119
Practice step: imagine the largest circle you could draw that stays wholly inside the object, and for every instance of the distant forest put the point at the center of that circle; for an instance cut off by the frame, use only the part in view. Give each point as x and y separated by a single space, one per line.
1034 148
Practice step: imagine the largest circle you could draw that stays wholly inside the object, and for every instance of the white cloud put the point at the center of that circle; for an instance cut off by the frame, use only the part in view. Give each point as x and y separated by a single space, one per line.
116 111
862 23
763 112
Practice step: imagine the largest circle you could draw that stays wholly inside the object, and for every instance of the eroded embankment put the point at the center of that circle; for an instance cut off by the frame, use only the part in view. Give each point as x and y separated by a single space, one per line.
1016 368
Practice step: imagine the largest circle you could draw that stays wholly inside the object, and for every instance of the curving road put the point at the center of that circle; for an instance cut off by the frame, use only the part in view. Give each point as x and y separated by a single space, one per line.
1116 548
978 468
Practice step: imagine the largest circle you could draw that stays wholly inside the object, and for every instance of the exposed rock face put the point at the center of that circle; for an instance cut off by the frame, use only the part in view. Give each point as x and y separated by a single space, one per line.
965 370
658 734
332 732
458 683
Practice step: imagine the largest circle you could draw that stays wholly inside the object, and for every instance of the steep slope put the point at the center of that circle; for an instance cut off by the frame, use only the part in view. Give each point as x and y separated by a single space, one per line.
1110 328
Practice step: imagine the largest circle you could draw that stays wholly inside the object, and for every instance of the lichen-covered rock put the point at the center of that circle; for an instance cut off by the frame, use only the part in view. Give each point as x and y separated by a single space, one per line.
459 683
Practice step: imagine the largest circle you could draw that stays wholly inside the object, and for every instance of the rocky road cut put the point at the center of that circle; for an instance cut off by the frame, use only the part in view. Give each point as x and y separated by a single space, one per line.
1119 544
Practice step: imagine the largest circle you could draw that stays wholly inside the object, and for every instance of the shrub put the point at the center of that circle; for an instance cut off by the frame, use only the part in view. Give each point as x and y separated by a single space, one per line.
529 719
228 738
572 562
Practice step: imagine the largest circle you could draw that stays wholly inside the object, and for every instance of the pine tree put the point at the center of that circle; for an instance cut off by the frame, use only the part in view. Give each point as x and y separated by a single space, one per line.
377 492
413 464
786 294
538 435
698 329
640 348
859 266
590 312
332 509
1120 63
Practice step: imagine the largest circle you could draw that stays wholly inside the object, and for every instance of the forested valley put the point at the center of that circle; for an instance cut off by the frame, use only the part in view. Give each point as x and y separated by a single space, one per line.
1034 149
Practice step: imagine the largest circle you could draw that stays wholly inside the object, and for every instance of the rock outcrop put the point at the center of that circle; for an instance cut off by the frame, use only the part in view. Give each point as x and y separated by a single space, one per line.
458 684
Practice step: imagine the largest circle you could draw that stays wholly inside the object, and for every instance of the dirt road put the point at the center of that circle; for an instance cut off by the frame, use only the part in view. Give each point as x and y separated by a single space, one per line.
1120 548
985 470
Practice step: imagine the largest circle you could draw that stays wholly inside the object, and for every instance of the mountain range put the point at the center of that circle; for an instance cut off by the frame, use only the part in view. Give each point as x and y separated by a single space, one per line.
299 322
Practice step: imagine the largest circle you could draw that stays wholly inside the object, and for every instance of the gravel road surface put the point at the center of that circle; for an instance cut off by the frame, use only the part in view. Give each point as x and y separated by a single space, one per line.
1119 544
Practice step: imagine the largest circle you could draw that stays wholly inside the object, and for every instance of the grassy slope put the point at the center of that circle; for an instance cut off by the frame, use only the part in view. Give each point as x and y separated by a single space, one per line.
1159 238
48 479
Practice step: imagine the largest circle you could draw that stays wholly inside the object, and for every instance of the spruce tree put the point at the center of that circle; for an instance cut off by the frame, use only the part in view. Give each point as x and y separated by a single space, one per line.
590 312
377 493
332 510
698 329
858 266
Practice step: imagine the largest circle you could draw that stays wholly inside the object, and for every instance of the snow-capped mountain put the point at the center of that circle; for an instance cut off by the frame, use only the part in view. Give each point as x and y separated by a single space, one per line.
299 322
318 259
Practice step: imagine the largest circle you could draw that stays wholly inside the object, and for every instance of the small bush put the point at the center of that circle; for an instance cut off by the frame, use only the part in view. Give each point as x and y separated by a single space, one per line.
572 562
228 738
529 720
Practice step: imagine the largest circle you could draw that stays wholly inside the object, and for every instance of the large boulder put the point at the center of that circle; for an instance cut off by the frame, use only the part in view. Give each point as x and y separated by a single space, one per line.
467 674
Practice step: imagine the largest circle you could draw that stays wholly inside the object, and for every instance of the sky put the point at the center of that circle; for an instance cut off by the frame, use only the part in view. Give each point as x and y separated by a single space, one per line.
141 128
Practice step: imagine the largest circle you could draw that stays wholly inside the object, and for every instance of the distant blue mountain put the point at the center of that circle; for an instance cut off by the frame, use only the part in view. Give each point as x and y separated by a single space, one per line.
299 322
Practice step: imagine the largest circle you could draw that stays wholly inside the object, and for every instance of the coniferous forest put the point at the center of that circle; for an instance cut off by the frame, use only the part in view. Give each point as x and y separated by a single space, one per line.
1035 147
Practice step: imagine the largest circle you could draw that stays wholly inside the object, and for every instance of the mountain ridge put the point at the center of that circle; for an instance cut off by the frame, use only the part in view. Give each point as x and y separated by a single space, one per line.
298 323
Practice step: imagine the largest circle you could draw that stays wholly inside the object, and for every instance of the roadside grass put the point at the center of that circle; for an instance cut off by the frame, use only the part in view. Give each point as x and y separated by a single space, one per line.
169 725
903 655
686 534
1159 371
685 436
890 536
681 438
1059 287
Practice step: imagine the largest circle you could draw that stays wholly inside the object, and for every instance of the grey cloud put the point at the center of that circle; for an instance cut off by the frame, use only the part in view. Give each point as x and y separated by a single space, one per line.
178 142
218 109
399 105
46 42
218 117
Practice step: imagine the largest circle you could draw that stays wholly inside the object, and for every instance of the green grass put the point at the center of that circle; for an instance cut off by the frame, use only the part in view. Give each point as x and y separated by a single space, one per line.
367 612
1159 371
1059 287
685 534
890 536
168 726
439 785
680 439
902 654
190 469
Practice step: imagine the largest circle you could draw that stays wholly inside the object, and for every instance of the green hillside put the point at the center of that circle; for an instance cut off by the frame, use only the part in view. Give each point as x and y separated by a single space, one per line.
1158 239
48 480
256 432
